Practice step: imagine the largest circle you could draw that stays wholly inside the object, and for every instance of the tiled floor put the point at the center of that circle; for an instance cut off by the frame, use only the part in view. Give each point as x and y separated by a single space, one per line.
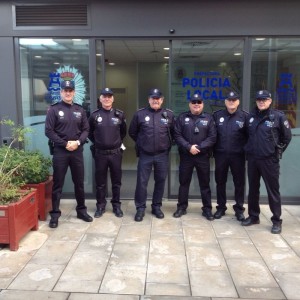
185 258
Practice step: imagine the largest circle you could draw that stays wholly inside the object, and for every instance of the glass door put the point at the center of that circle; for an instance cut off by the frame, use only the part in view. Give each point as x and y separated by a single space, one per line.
210 67
131 69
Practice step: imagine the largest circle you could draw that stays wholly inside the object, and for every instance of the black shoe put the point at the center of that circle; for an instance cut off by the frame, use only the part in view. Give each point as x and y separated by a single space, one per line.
99 212
53 223
219 214
250 221
158 213
179 212
118 212
208 215
139 215
276 228
84 216
240 216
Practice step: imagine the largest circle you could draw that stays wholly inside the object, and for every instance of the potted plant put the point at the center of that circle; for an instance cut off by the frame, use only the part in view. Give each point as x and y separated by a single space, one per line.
35 173
18 208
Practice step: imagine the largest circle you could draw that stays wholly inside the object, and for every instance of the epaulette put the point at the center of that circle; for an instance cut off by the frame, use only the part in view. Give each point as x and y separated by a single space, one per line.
119 111
278 111
217 110
245 111
95 110
170 110
142 108
77 104
55 103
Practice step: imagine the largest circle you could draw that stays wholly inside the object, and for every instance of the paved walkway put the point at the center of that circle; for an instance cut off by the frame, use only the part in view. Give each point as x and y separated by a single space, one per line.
185 258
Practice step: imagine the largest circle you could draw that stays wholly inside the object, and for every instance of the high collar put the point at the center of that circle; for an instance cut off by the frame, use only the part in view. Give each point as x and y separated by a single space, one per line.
262 113
153 110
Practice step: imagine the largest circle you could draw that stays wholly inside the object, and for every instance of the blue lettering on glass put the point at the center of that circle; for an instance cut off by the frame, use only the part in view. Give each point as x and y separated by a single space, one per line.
209 85
286 93
53 94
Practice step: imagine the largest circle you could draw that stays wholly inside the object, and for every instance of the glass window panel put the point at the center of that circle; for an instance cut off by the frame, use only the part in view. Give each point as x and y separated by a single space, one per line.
44 63
275 67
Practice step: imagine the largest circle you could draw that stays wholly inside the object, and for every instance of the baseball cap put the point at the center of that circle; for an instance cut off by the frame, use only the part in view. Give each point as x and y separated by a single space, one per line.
233 95
196 96
67 84
263 94
106 91
155 93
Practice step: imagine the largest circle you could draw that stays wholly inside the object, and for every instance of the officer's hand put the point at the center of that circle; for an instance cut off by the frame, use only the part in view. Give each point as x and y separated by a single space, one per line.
194 150
72 145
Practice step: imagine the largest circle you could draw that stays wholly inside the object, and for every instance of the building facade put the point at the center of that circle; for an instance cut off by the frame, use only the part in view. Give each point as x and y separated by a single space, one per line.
133 46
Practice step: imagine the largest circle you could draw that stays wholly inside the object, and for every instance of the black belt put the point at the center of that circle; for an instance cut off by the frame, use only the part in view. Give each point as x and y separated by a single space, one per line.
154 153
107 152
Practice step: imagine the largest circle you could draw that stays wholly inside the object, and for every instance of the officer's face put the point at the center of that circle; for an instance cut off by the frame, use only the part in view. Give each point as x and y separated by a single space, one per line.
196 107
263 104
156 103
107 101
232 104
67 95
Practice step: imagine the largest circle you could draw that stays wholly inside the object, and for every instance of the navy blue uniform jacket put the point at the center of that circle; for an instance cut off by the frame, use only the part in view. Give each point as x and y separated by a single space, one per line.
66 122
185 135
266 129
231 131
150 130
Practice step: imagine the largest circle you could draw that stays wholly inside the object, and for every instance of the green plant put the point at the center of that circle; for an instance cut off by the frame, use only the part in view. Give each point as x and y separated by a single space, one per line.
35 168
11 163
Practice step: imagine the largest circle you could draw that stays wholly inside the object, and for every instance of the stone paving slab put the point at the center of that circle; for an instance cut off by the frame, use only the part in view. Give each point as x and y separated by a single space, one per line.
172 258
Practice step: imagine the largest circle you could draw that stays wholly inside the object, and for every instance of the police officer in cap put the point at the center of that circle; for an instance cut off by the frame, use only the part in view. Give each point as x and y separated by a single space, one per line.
229 154
269 135
67 127
195 134
152 130
107 131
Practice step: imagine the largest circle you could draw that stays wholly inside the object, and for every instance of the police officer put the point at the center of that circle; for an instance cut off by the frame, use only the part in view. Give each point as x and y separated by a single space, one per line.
107 131
195 134
269 135
152 130
67 127
229 153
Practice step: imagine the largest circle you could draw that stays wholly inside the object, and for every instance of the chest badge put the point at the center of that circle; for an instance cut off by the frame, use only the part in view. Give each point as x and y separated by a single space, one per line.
221 120
147 118
61 113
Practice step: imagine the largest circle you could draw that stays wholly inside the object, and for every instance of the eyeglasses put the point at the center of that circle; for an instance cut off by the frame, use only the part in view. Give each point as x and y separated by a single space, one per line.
196 102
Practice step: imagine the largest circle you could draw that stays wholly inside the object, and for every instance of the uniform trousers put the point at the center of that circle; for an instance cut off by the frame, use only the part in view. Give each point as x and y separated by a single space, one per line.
160 163
103 162
236 163
62 159
268 169
202 165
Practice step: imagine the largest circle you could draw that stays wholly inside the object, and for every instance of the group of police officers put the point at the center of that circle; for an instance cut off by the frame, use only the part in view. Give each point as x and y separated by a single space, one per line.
231 135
